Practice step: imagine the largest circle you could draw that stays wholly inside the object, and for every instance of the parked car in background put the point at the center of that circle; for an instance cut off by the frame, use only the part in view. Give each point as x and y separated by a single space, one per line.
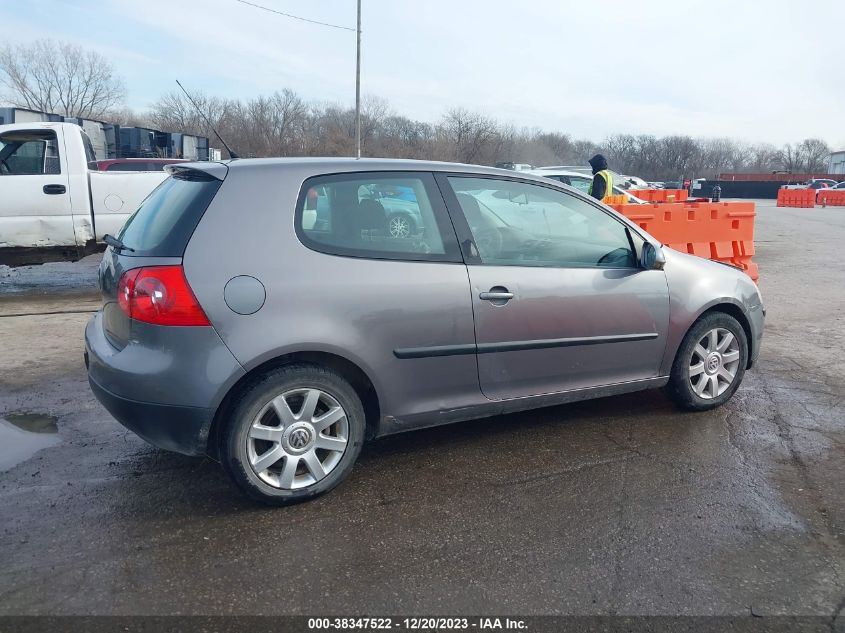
53 205
581 169
514 166
635 183
235 324
136 164
582 182
818 183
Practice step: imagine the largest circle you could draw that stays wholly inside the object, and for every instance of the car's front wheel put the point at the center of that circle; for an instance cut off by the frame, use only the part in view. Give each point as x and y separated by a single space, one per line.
294 434
710 363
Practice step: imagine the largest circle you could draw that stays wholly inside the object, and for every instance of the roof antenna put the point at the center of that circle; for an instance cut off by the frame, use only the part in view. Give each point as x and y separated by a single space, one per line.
194 103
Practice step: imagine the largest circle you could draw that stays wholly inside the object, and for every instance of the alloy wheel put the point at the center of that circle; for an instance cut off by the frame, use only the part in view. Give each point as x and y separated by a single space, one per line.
714 363
297 438
399 226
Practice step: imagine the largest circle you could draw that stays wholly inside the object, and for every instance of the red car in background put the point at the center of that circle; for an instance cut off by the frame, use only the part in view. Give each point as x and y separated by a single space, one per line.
136 164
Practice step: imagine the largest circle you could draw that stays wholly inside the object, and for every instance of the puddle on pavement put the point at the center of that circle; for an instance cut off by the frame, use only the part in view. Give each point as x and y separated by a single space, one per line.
24 434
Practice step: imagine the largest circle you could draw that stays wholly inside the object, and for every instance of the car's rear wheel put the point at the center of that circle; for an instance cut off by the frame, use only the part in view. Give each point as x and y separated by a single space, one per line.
294 434
710 363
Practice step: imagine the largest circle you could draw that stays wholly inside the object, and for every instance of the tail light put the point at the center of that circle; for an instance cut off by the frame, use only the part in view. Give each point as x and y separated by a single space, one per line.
159 295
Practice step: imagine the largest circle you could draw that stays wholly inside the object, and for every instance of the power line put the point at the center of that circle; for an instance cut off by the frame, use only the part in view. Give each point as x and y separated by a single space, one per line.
357 62
296 17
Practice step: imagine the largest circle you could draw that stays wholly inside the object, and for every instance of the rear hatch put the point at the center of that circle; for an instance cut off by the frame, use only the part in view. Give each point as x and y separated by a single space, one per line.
155 235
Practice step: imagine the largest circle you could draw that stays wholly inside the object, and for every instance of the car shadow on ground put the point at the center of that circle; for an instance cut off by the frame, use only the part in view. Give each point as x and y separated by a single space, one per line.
156 482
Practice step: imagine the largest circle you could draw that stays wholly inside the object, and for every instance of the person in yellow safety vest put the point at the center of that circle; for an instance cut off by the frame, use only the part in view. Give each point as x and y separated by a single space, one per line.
602 184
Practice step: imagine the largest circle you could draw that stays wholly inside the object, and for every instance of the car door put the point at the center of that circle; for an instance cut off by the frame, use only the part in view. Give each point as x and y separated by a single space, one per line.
396 305
34 199
560 305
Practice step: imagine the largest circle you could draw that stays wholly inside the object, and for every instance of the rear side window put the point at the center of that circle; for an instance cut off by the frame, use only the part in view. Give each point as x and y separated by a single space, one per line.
166 219
395 215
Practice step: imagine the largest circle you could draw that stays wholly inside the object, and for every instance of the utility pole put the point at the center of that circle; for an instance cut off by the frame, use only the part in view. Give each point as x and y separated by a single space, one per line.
358 89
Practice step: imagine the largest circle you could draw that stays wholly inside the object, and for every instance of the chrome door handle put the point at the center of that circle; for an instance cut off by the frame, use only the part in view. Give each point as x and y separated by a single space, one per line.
495 296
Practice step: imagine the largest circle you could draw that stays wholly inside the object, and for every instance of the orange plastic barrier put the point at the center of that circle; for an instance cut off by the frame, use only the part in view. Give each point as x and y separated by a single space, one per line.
832 198
661 195
620 199
804 198
723 231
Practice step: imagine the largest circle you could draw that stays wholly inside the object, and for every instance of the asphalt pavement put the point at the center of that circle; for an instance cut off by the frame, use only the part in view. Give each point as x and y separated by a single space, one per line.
617 506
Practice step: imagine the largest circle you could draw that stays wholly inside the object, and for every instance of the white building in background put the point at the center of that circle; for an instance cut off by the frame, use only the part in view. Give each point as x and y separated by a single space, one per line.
836 162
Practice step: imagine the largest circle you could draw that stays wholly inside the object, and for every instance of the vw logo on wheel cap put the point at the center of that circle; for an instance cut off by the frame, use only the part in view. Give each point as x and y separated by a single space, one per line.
713 363
299 439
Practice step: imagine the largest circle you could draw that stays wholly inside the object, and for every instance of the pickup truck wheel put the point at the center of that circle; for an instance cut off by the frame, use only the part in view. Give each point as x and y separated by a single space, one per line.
293 435
710 363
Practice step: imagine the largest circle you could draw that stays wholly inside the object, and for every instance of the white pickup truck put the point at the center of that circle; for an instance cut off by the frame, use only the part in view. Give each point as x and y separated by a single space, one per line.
53 206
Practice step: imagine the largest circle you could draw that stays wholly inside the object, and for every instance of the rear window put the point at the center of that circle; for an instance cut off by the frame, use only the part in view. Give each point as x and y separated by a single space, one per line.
133 166
166 219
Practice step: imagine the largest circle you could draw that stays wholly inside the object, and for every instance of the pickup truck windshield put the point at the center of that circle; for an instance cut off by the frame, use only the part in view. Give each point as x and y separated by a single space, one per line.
165 221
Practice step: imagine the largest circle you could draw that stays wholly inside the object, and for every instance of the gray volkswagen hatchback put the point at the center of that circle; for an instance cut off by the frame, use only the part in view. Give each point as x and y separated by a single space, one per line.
265 312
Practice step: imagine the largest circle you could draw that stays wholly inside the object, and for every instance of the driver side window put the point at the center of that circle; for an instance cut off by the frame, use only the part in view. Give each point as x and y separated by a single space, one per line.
521 224
29 153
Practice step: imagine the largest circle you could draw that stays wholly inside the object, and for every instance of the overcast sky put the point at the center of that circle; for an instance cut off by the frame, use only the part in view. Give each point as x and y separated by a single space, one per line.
754 70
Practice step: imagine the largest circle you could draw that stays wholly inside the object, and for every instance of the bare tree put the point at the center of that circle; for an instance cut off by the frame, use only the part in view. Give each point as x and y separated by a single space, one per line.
465 134
173 111
332 131
560 145
791 158
284 124
406 138
270 126
374 112
128 117
717 154
582 151
815 152
762 158
60 78
681 154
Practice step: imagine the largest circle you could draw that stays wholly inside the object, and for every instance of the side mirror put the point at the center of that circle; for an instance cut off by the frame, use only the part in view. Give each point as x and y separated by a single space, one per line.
652 257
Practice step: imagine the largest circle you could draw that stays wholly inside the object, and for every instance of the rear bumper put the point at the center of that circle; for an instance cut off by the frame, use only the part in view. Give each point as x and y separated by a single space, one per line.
165 389
173 428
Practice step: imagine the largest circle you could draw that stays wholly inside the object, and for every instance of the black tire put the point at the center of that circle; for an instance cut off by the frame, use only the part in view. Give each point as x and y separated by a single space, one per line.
679 388
234 449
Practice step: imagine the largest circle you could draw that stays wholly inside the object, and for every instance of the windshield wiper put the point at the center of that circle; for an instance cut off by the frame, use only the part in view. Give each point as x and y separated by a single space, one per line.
116 244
